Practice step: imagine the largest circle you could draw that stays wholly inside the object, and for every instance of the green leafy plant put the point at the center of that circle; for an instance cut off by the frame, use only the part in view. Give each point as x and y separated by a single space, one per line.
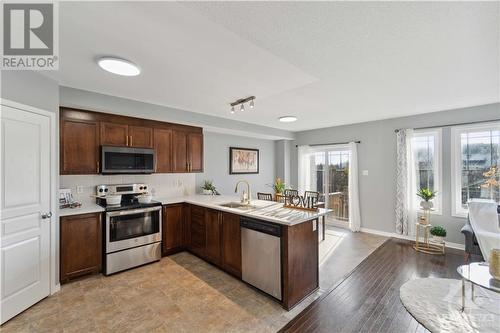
438 231
426 194
208 185
278 186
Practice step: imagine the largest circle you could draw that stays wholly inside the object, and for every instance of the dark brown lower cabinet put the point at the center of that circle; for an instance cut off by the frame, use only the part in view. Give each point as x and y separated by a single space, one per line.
172 228
198 233
80 245
231 243
213 221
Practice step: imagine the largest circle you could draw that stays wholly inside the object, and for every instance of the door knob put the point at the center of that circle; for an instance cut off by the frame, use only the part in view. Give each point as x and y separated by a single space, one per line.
47 215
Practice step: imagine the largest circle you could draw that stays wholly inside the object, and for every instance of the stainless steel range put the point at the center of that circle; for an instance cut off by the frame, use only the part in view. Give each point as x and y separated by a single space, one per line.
132 235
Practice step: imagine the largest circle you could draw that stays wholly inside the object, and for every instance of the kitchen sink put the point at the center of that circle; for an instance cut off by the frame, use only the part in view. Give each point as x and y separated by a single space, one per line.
238 205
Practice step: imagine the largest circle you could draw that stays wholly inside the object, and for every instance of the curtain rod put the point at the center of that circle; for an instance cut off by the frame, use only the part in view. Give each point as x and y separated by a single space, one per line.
449 125
331 143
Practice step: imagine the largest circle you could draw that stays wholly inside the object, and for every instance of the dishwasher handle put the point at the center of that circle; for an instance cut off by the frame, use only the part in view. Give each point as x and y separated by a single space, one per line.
260 226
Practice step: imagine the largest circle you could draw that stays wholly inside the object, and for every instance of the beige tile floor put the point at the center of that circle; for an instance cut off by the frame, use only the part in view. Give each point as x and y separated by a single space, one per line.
181 293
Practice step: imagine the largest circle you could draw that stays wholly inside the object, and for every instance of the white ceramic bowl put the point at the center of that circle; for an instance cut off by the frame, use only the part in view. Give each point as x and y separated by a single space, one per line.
113 199
145 198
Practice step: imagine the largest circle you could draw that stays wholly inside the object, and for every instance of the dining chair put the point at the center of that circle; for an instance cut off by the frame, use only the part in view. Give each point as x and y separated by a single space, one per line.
291 193
264 196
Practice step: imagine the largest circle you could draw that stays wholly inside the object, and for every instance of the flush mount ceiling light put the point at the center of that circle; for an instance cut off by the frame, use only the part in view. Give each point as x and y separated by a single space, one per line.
287 119
119 66
241 102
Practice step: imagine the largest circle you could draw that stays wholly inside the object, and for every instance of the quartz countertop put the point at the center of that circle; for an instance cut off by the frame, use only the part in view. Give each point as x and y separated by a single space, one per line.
265 210
85 208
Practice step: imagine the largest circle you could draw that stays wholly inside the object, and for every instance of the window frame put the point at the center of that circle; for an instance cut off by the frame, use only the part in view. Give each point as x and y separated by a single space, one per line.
456 163
437 133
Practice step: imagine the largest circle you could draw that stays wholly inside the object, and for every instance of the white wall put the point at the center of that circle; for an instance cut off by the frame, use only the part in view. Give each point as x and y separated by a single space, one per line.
216 150
377 154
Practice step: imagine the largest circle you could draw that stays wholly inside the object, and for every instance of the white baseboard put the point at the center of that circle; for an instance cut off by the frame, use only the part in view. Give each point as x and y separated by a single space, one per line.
393 234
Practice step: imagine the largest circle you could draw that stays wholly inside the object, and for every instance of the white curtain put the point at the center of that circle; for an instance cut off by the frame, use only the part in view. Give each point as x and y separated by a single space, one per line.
304 157
354 210
406 209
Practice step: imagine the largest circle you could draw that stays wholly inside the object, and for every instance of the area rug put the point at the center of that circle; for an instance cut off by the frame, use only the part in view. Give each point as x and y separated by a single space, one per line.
436 304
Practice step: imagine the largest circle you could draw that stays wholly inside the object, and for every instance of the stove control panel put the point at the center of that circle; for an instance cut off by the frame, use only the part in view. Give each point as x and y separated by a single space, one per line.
103 190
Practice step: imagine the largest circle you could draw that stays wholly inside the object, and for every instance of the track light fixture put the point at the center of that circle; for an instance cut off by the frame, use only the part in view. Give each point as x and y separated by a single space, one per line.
241 102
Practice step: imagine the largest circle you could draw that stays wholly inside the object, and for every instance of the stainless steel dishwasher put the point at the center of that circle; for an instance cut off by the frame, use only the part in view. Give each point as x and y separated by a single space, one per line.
261 255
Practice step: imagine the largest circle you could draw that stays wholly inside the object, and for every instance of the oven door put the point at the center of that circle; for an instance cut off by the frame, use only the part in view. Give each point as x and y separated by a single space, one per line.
130 228
128 160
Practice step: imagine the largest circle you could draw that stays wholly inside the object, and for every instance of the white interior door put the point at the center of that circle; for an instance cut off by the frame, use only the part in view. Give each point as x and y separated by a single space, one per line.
25 205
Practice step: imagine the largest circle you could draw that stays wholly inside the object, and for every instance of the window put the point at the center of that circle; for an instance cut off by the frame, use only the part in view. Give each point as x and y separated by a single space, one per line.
475 160
426 148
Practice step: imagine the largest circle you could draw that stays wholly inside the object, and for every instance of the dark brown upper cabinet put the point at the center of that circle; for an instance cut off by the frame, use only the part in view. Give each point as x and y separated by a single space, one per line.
79 145
187 151
163 150
195 152
141 137
124 135
114 134
178 148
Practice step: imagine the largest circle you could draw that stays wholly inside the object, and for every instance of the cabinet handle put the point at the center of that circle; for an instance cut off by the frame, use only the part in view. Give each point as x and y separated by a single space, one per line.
131 140
126 144
97 166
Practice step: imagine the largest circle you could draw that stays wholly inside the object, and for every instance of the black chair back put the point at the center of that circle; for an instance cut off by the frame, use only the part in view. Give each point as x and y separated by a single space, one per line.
264 196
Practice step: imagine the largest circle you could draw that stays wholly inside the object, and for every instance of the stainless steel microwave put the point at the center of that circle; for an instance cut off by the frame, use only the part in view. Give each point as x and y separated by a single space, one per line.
127 160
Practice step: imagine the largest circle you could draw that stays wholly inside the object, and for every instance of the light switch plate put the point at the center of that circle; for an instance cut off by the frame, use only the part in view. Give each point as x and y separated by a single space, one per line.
365 173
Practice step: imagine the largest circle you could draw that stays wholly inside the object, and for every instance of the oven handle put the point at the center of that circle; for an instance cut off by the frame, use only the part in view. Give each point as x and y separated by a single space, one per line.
134 211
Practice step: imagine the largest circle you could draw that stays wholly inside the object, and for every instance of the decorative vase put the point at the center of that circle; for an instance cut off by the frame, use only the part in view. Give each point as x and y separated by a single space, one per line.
426 204
495 263
207 192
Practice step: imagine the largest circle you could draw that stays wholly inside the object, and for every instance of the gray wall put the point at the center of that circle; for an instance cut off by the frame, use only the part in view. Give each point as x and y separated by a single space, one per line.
377 154
217 163
282 166
31 88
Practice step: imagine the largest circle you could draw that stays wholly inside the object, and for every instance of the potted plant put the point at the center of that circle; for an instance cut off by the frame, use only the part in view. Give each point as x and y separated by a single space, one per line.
426 195
438 233
209 188
278 186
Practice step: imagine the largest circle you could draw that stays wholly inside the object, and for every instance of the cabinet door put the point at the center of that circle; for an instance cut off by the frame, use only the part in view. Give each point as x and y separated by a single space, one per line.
195 152
114 134
213 226
80 245
79 144
231 244
141 137
179 148
172 228
198 231
163 150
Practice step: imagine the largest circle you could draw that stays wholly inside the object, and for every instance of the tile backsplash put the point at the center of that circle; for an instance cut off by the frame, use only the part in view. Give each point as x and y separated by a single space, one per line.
161 185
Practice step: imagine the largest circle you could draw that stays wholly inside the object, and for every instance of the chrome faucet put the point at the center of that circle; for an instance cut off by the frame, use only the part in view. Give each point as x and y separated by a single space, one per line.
244 199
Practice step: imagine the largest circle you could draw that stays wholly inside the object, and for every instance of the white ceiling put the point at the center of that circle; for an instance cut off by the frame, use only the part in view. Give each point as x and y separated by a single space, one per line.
328 63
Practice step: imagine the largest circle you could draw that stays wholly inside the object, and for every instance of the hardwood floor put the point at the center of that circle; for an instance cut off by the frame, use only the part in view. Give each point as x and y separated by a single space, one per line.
368 299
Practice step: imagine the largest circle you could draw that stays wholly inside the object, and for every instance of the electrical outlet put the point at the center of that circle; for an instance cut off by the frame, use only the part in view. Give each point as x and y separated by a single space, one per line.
79 189
365 173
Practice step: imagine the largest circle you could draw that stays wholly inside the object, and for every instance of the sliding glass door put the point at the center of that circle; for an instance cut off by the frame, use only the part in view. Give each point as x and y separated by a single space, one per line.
330 177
